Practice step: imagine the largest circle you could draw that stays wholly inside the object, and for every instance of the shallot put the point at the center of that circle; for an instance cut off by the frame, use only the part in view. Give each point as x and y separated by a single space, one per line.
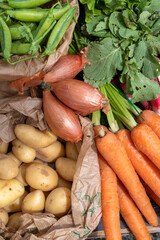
61 119
80 96
67 67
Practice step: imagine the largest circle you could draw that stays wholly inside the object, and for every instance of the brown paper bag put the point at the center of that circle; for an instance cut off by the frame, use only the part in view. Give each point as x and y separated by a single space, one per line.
10 72
85 213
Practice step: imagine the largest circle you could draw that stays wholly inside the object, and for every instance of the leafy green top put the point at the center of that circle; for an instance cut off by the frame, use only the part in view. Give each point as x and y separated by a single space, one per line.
124 40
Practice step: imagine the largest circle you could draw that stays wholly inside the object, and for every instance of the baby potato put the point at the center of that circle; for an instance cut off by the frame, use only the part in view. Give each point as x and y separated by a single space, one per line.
42 177
16 206
51 152
4 147
71 151
23 152
66 168
33 202
63 183
10 190
10 154
4 216
8 167
15 220
58 201
22 172
34 137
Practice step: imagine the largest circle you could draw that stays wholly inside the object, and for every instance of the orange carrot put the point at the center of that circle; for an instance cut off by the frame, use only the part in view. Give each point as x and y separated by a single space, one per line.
111 148
152 195
152 119
109 201
147 142
141 163
131 214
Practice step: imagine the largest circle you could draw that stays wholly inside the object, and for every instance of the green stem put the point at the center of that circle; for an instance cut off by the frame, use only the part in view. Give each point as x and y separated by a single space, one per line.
113 124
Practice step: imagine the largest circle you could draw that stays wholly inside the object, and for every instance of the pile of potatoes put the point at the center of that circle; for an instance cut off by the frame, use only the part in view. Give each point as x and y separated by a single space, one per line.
36 175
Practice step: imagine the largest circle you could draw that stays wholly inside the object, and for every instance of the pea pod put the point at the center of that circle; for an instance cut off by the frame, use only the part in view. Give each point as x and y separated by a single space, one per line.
58 31
22 30
6 40
19 48
45 25
26 3
36 15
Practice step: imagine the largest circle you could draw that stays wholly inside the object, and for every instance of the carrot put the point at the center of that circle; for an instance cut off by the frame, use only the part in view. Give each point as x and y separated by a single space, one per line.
109 201
147 142
152 195
111 148
152 119
131 214
141 163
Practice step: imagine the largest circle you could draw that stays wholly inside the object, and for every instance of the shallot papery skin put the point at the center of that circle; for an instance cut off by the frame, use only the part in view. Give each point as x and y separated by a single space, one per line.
67 67
80 96
61 119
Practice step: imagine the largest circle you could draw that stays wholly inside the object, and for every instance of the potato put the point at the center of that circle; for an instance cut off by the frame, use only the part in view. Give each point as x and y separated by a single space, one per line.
33 137
41 176
4 147
66 168
22 172
33 202
16 206
10 154
71 151
4 216
23 152
8 167
10 190
15 220
51 152
58 201
63 183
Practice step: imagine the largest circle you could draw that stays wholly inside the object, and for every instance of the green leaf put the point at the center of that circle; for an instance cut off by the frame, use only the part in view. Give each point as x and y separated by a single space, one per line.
154 43
130 18
153 6
115 23
141 87
96 20
105 59
146 60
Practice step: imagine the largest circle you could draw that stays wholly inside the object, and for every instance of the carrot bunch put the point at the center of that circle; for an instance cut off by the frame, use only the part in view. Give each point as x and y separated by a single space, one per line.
129 163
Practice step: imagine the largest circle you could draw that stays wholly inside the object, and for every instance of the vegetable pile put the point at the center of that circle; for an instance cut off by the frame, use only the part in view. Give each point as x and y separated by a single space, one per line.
123 39
28 29
125 157
36 175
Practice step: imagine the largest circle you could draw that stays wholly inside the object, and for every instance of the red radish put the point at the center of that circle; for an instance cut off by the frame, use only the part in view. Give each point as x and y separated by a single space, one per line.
80 96
156 102
61 119
67 67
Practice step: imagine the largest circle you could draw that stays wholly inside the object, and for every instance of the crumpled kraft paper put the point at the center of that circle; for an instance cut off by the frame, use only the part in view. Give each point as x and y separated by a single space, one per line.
19 109
10 72
85 213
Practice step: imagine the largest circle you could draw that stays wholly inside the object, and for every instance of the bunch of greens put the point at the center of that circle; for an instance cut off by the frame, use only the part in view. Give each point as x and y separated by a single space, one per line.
124 40
122 113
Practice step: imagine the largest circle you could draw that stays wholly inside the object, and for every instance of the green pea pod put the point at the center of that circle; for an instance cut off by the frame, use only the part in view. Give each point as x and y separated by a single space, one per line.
4 6
6 40
35 43
26 3
36 15
22 30
19 48
58 31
